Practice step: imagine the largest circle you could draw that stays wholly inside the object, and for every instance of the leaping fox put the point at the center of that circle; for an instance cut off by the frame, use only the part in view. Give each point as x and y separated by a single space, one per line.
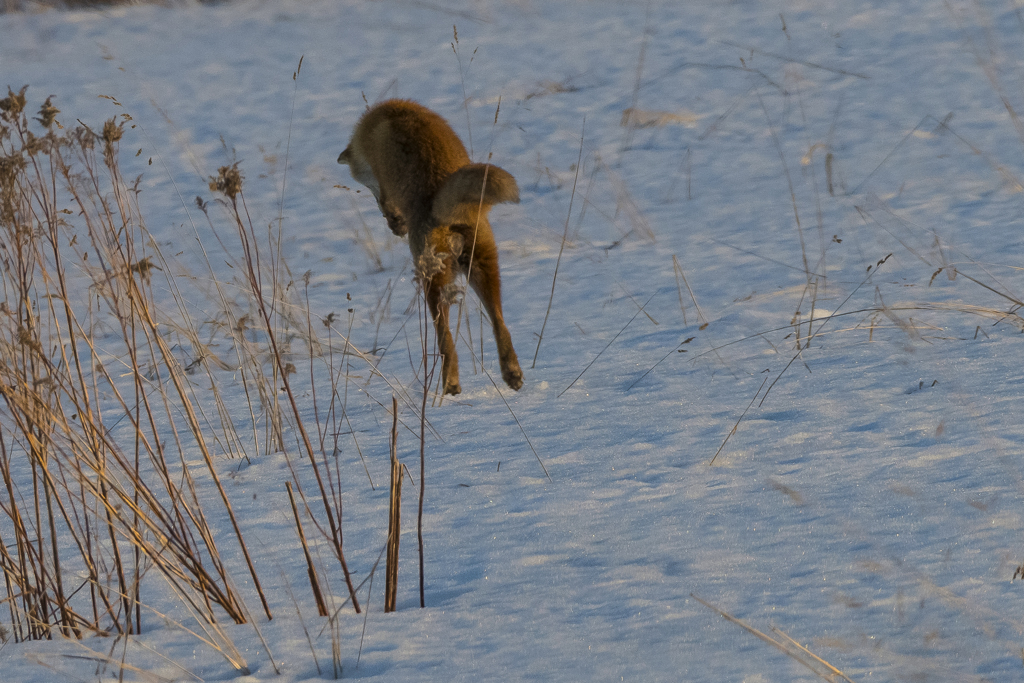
426 187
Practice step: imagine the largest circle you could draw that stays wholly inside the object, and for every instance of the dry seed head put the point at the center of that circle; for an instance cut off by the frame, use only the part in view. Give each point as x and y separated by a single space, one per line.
48 113
13 105
452 293
34 145
432 262
27 339
10 167
144 268
228 181
455 243
429 264
111 131
85 138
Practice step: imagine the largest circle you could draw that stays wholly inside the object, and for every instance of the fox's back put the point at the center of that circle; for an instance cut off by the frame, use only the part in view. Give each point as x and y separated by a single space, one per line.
411 150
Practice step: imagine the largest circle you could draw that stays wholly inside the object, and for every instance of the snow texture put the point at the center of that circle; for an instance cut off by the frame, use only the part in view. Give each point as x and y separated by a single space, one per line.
868 504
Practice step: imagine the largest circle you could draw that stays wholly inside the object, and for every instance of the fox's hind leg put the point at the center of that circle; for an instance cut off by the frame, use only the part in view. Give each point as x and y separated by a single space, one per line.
486 282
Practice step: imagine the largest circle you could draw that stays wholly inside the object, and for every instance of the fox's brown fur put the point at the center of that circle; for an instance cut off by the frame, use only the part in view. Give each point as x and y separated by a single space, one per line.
426 187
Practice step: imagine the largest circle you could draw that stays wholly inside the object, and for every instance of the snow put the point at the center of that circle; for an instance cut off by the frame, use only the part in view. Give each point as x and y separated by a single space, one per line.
868 504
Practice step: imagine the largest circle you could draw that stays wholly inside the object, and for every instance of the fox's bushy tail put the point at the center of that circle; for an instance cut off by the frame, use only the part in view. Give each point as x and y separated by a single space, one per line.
472 185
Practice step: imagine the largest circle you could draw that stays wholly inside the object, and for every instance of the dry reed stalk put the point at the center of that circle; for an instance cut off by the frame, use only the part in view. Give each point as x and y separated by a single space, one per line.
737 425
424 331
346 368
677 270
197 432
565 237
143 318
469 335
521 428
870 273
249 362
366 240
789 182
288 143
462 79
88 493
425 328
394 518
29 177
472 248
788 647
318 595
229 182
627 138
641 310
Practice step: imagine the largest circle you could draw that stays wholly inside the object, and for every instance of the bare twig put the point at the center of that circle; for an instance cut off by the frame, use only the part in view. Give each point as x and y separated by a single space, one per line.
800 654
608 344
565 237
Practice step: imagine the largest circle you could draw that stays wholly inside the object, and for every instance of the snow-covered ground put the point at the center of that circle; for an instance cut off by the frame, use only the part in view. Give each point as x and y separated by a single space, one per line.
746 165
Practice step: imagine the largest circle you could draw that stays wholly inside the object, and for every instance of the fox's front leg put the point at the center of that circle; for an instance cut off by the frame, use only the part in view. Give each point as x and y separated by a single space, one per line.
393 216
396 222
439 308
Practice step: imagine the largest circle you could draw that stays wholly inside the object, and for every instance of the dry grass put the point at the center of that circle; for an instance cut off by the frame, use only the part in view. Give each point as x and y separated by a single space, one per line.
394 518
115 429
81 348
787 645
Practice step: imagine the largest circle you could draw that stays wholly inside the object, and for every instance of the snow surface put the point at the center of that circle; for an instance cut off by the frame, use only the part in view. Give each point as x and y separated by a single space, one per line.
870 506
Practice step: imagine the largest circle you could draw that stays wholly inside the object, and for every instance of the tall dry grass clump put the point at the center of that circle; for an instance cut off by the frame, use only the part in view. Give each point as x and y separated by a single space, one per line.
113 422
83 362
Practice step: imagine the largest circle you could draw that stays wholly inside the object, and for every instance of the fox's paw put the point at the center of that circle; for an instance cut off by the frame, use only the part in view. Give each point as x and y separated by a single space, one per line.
396 223
513 377
453 388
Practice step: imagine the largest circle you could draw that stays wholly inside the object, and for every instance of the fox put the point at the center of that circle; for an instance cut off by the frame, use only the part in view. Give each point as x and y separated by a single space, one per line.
427 188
